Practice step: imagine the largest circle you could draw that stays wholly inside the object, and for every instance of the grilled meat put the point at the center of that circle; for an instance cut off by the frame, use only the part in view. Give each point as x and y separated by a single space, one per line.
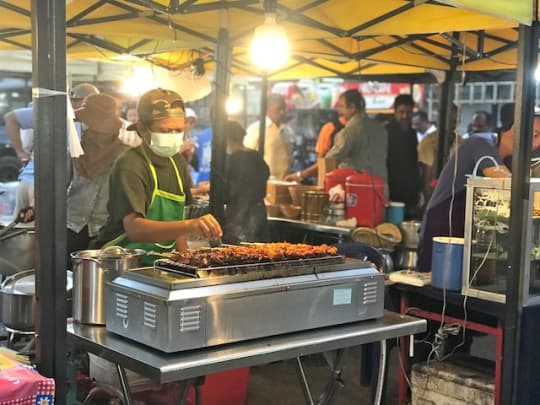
250 254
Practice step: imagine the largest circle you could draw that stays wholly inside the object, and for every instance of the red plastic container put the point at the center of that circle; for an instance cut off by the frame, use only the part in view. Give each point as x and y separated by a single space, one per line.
337 176
225 388
365 199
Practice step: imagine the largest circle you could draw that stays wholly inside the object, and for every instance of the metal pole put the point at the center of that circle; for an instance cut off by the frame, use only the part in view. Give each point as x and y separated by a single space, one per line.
518 256
217 171
262 114
446 132
49 72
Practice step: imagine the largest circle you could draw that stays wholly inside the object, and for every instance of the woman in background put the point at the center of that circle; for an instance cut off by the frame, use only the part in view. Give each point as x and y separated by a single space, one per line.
246 176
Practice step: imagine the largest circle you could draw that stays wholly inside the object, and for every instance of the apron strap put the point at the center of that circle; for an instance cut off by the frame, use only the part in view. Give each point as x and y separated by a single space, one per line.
153 171
154 174
178 178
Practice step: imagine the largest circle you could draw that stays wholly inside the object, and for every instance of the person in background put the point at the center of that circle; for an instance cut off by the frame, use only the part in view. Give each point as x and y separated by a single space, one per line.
245 216
79 92
448 202
503 140
131 138
362 143
402 157
481 126
325 141
189 147
277 149
189 151
149 185
204 154
20 130
421 124
131 114
88 193
427 157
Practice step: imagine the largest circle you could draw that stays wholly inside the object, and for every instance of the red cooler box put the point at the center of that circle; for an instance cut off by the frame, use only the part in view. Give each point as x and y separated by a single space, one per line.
337 176
365 199
225 388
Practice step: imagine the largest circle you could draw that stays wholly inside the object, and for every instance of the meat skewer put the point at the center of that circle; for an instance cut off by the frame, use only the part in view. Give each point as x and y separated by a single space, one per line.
250 254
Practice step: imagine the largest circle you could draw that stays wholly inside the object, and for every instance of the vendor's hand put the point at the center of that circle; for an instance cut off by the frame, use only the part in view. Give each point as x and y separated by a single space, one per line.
204 186
207 226
293 177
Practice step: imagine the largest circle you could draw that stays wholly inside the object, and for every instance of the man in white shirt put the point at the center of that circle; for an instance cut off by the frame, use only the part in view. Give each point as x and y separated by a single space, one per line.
277 149
421 124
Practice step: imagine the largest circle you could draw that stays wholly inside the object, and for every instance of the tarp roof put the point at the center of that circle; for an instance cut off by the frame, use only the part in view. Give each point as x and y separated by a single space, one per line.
327 37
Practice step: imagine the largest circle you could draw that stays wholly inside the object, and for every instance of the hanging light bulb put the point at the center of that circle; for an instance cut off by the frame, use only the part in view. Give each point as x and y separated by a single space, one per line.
270 46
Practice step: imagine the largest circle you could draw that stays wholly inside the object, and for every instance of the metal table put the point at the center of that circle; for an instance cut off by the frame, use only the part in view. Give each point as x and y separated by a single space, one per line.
162 367
340 233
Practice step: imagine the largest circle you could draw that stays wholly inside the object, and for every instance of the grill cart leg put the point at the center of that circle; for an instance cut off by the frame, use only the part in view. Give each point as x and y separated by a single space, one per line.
124 384
334 383
304 382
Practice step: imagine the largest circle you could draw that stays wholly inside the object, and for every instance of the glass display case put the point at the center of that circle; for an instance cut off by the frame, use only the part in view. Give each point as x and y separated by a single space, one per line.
487 240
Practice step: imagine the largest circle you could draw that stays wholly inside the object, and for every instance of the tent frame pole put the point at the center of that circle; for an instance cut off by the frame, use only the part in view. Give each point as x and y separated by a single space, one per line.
49 72
518 256
219 143
262 114
445 124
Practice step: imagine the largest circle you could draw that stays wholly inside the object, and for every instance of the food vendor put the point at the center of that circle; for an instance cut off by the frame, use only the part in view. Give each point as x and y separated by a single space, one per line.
149 185
447 205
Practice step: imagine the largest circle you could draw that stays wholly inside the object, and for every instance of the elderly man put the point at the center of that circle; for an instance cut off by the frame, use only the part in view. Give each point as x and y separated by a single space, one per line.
277 149
149 184
362 143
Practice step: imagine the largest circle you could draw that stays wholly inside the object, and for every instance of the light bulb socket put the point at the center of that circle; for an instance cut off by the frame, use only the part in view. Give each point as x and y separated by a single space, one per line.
197 67
270 6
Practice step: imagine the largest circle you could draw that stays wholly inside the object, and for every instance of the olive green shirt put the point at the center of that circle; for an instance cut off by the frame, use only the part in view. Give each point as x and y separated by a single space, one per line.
131 186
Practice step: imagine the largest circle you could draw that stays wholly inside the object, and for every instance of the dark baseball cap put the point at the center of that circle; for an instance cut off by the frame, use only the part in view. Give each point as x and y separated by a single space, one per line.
157 104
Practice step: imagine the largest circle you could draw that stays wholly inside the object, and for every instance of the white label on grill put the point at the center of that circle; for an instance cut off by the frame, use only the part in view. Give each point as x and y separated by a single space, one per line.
342 296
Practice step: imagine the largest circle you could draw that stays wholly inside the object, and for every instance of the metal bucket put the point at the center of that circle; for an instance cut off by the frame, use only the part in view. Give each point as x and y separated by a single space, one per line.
411 234
17 251
17 300
91 270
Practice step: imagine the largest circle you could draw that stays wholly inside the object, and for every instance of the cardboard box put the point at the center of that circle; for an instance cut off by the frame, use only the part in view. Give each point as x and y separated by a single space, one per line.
324 166
277 192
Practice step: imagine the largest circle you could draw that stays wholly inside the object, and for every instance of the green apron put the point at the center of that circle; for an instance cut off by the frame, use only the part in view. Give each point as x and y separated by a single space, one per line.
164 206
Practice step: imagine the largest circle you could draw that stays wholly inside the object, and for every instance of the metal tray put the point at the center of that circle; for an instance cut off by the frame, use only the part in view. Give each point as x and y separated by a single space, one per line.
175 280
283 266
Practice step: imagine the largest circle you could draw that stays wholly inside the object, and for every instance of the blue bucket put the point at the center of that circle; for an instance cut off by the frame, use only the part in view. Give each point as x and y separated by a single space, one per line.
447 263
395 212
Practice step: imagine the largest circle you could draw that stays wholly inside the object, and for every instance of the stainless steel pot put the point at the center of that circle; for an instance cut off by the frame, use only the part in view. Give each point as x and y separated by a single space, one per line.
17 300
410 231
91 270
17 251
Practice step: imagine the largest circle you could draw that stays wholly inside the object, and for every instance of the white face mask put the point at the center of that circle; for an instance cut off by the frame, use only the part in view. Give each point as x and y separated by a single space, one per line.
166 144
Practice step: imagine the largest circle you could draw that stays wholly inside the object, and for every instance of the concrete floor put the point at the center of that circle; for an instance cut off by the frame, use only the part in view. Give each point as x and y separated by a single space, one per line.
279 384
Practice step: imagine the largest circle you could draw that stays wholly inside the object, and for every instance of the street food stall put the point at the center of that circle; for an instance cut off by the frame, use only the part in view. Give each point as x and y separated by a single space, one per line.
168 24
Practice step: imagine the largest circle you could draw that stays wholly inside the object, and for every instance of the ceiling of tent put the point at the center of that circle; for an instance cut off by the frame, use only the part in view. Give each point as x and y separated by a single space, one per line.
328 37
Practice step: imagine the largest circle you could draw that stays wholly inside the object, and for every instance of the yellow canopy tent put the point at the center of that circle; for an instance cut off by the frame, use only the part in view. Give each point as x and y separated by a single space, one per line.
518 10
327 38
